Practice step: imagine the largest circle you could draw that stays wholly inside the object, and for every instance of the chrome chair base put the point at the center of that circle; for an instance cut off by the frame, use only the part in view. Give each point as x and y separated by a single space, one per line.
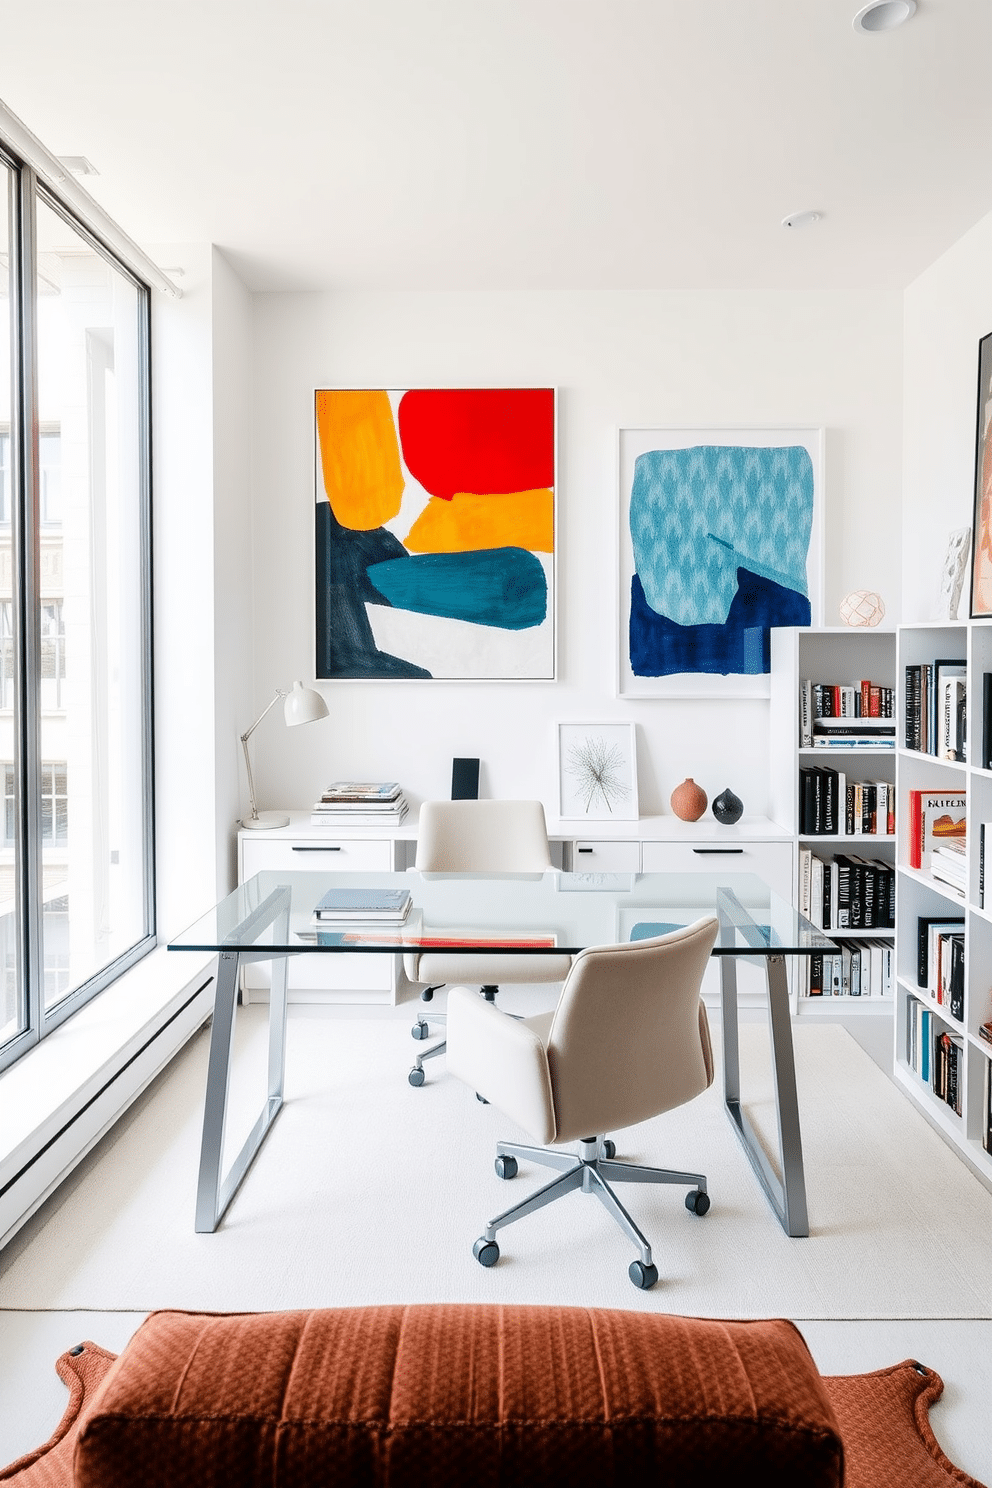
591 1169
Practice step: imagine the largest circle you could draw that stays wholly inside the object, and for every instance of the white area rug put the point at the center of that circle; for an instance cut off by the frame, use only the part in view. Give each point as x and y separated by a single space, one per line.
368 1190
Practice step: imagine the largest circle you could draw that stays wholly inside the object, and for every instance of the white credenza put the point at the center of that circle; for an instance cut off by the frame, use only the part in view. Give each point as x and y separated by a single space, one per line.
358 979
660 844
664 844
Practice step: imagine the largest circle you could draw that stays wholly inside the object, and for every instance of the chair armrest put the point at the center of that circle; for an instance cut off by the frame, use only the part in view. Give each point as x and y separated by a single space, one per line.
503 1059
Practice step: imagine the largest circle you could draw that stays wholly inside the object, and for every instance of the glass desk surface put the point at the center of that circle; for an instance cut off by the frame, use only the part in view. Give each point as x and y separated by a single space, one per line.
526 913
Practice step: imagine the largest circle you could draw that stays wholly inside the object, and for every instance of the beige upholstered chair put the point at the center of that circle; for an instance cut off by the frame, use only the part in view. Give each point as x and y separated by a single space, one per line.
471 836
628 1040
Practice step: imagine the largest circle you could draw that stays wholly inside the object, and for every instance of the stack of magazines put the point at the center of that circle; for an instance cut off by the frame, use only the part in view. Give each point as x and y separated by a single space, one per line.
360 803
949 865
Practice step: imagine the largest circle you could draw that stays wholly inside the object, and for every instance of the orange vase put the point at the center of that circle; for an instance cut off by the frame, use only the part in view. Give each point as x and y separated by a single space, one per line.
688 800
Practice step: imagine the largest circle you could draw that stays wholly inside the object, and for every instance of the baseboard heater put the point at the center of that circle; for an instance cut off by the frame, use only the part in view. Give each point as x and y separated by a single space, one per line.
59 1151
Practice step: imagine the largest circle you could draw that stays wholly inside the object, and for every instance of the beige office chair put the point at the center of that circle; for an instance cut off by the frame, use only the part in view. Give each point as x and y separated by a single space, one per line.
628 1040
471 836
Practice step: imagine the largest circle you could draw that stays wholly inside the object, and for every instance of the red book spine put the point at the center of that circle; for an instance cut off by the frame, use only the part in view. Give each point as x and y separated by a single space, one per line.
915 830
865 698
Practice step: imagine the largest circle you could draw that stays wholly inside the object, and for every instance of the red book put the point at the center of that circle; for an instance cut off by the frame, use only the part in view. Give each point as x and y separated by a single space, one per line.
915 833
865 687
934 817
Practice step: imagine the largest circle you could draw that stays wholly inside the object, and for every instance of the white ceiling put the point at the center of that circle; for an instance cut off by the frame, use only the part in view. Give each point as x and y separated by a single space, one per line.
504 144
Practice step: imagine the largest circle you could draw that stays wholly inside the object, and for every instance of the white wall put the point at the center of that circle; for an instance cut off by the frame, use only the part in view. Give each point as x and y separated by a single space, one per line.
233 597
202 592
947 311
617 359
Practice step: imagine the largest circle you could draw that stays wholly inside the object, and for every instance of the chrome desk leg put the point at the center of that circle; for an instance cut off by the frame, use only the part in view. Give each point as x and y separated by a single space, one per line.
214 1192
787 1195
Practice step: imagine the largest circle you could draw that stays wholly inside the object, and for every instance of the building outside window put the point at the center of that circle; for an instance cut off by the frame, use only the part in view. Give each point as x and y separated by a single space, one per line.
75 641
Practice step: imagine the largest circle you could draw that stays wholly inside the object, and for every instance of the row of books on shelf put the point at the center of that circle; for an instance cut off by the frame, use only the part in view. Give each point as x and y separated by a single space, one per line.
831 805
935 1053
848 892
858 968
936 694
940 960
846 715
360 803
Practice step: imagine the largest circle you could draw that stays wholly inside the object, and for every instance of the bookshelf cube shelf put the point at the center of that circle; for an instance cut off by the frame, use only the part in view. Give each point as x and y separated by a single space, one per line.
851 755
943 742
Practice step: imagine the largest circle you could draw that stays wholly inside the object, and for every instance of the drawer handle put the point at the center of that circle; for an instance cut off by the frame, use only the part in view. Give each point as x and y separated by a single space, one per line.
716 850
586 849
325 847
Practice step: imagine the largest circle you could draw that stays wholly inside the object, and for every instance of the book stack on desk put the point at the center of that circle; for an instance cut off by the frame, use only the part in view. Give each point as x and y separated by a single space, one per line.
362 906
360 803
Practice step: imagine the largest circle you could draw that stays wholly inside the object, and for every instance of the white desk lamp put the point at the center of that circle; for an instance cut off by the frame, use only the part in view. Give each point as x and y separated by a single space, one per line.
303 705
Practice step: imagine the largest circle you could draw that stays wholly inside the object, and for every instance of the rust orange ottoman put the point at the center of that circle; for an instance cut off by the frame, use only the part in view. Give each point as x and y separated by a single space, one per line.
461 1394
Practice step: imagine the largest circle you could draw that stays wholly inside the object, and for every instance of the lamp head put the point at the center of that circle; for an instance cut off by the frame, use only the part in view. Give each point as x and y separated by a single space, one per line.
303 705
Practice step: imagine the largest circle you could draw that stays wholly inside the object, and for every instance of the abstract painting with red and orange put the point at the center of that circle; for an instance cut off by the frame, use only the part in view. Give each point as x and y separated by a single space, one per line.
435 533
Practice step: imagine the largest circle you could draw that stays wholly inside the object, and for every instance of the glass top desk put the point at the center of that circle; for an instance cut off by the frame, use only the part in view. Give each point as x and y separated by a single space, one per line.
270 917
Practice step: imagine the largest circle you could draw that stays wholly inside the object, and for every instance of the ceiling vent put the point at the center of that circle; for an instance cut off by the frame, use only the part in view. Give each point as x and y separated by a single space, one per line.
78 165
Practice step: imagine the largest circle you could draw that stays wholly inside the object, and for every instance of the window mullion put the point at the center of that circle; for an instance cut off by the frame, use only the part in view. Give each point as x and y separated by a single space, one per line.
26 589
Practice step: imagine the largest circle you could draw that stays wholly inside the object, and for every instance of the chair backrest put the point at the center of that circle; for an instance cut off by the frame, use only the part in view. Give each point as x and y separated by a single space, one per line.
630 1037
482 837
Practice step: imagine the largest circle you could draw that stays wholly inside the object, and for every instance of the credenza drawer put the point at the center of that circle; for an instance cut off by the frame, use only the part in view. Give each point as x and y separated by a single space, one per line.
338 854
771 861
610 857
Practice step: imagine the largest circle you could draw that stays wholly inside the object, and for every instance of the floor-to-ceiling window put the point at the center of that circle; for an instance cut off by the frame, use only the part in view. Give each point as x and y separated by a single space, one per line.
75 644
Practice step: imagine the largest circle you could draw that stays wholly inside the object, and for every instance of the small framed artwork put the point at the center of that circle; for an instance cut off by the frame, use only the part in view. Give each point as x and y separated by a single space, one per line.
720 541
597 771
434 534
981 566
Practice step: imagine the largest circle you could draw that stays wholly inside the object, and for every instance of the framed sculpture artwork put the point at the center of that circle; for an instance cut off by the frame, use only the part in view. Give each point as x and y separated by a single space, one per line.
720 541
597 771
981 564
434 529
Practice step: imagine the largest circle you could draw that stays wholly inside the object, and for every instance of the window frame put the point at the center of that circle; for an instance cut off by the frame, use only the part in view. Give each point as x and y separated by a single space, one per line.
27 190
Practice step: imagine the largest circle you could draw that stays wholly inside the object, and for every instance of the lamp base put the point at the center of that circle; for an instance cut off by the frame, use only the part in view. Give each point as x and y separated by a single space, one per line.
266 819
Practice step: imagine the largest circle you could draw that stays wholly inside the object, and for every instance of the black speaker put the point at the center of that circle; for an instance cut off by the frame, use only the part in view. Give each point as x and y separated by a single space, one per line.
464 779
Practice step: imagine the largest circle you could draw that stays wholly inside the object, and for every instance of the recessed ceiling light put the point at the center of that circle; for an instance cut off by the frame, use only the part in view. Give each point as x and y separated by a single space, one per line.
801 219
883 15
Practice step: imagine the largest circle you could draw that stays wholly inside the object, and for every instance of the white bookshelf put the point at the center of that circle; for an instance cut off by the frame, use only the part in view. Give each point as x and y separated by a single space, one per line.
840 656
919 894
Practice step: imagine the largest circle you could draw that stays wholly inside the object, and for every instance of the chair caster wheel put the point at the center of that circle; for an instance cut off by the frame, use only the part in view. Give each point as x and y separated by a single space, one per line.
506 1167
420 1030
642 1276
697 1202
607 1149
481 1099
416 1076
486 1252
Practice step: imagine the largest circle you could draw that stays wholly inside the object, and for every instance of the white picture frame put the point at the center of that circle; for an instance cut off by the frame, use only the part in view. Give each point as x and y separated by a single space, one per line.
597 772
635 442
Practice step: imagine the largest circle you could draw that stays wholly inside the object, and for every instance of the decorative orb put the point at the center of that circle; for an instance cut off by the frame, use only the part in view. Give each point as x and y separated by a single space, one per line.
728 808
862 607
688 800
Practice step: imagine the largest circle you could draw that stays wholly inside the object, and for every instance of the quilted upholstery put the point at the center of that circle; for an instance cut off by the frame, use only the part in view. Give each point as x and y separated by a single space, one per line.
459 1394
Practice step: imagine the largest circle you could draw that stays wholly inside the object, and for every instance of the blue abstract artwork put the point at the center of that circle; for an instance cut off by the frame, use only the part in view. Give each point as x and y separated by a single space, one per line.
718 541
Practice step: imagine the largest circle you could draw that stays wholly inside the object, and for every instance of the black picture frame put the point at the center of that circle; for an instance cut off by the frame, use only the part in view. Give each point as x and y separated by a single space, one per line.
981 542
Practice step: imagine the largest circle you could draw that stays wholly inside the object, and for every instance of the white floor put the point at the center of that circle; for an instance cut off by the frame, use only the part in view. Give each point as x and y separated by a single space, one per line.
960 1350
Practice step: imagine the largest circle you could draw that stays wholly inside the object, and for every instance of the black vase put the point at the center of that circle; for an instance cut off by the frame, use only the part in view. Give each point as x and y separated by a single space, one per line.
728 808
